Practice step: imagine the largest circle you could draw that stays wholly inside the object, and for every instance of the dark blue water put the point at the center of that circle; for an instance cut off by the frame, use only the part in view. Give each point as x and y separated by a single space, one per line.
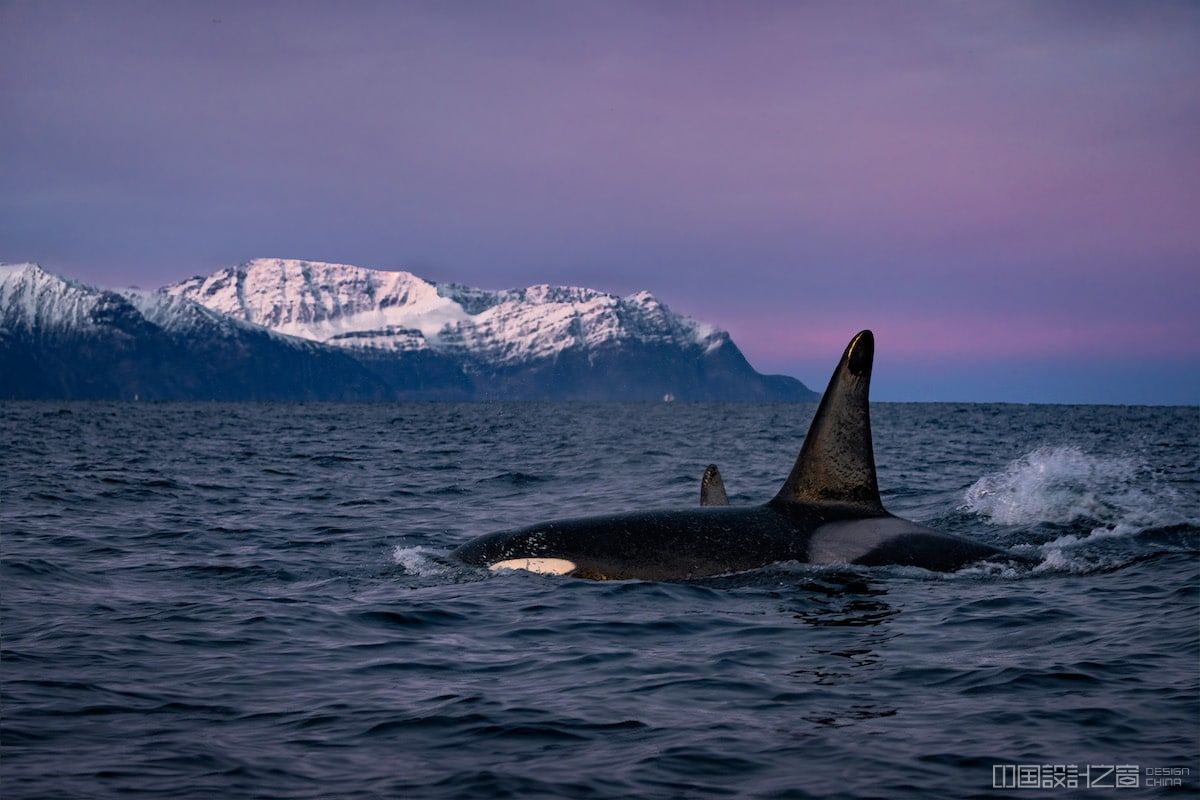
253 600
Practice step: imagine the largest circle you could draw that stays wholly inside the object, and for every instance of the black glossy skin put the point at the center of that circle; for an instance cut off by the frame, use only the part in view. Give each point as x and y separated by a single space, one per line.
713 540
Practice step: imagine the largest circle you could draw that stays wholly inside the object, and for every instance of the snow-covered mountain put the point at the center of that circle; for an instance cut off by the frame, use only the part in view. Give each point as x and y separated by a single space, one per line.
63 339
279 328
350 306
35 302
540 342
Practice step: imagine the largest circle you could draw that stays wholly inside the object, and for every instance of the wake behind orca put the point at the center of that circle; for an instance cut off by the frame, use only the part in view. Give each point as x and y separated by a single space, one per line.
827 512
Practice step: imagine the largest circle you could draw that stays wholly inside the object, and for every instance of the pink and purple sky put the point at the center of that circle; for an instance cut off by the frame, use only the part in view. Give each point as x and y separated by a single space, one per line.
1008 193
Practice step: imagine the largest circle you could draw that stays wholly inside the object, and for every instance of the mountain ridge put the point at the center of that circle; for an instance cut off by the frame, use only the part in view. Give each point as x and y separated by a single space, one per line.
353 333
344 304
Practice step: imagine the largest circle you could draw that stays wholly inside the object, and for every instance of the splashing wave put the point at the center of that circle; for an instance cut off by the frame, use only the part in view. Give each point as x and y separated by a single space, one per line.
1112 495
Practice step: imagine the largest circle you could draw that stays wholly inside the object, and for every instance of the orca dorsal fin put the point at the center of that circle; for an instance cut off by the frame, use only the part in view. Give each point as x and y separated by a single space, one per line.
837 462
712 488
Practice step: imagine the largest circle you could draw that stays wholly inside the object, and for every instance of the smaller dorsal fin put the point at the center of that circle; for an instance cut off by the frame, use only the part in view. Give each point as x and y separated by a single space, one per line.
837 462
712 488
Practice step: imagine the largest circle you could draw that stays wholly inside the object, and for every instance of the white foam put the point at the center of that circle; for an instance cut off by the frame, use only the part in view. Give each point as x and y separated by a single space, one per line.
418 561
1061 485
987 569
1116 496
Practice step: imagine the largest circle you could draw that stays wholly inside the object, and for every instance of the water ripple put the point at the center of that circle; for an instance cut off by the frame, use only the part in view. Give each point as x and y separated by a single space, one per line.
256 600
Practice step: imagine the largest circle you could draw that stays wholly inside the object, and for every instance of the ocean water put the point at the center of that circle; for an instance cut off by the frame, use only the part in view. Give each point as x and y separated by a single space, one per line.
255 601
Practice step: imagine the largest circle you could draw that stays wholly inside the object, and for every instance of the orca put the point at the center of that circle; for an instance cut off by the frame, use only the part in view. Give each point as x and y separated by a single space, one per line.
828 512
